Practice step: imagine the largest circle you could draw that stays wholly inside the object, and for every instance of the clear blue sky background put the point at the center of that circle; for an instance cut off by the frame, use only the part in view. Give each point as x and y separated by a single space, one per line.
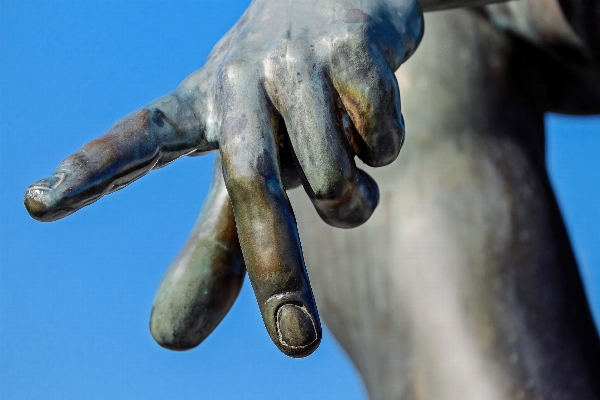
75 295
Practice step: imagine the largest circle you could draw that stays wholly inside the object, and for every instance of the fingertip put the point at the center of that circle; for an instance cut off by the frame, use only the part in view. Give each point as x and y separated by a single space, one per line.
297 331
35 204
38 201
167 336
384 147
355 207
293 323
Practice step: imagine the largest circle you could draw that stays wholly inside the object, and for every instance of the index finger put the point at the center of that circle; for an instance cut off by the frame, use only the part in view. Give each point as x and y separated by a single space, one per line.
149 138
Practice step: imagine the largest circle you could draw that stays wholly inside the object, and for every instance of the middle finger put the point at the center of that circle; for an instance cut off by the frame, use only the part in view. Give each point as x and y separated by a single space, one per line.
265 221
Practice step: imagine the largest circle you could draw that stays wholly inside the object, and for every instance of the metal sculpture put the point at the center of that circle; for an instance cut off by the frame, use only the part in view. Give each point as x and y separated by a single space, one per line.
463 284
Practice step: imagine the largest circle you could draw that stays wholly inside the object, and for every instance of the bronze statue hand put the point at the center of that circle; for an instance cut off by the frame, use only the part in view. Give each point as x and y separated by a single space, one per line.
294 89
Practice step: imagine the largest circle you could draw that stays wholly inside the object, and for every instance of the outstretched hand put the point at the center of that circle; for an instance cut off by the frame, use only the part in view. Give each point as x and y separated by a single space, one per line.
290 95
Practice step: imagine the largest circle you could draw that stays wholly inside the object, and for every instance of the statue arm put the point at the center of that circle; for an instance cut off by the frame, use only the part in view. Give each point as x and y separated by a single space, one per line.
570 29
584 18
560 45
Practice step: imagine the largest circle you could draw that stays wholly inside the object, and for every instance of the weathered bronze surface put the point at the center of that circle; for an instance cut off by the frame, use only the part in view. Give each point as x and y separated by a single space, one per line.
463 284
327 71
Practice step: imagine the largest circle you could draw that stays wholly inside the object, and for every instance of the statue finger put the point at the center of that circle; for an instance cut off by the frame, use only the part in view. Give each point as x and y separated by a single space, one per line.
265 221
149 138
205 278
368 92
343 195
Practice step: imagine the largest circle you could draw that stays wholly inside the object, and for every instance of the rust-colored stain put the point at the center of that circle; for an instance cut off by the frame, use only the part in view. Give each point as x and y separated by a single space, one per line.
360 110
134 122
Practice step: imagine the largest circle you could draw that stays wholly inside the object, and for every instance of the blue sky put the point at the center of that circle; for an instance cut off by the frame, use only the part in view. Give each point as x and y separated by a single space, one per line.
75 295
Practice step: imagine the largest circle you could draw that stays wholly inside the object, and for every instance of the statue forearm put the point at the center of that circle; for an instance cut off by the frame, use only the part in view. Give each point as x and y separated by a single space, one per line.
584 18
567 23
564 27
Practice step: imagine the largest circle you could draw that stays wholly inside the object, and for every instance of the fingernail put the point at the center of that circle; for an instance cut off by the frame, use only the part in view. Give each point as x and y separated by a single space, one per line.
295 326
36 201
39 196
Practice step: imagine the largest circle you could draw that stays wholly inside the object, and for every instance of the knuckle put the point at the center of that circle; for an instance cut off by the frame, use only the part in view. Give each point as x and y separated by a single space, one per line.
355 36
243 176
232 72
349 47
293 57
290 65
